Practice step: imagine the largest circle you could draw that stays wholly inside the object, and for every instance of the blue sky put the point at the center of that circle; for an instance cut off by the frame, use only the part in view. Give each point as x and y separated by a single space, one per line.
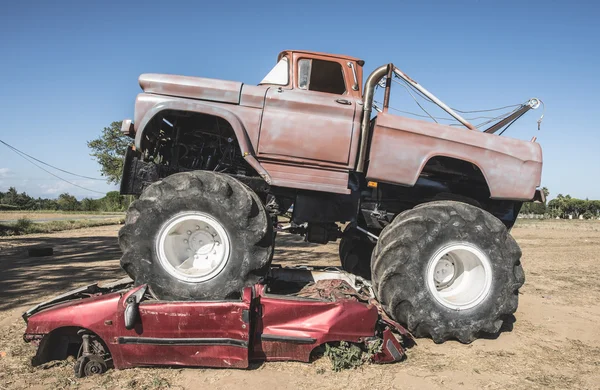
67 69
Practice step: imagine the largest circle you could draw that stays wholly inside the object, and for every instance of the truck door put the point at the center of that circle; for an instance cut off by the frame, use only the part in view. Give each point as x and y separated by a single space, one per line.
313 121
190 333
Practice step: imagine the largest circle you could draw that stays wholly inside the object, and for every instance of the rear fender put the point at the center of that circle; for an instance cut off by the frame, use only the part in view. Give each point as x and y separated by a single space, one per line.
401 147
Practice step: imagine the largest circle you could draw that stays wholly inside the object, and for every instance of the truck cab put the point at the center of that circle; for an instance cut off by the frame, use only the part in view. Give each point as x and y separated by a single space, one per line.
312 110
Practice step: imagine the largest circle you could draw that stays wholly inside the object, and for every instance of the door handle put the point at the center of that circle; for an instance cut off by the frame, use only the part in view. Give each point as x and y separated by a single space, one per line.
343 101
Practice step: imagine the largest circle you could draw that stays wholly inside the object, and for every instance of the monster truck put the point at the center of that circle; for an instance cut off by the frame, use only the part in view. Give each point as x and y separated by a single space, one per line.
426 208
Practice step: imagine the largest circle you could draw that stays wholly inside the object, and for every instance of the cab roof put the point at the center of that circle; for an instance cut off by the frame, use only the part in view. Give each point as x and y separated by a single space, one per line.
359 61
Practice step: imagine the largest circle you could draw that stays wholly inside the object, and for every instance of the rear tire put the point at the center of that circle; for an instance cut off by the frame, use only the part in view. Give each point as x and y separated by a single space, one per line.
447 270
196 235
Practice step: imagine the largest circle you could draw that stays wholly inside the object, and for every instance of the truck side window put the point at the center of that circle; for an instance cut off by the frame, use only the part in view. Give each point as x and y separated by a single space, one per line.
321 76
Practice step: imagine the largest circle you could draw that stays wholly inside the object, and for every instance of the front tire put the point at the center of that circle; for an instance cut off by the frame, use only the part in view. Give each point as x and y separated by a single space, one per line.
447 270
197 235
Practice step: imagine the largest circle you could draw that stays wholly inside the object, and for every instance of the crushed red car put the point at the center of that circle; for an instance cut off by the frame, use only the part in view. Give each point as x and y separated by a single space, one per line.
285 317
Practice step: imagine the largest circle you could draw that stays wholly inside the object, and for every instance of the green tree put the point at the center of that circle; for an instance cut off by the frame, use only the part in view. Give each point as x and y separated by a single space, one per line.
67 202
11 196
109 150
88 204
113 201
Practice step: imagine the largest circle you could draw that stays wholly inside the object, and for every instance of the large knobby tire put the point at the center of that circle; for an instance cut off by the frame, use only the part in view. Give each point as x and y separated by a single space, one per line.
419 276
355 253
208 216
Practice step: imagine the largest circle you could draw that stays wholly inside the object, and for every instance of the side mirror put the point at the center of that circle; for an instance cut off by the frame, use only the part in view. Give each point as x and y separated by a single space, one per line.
132 312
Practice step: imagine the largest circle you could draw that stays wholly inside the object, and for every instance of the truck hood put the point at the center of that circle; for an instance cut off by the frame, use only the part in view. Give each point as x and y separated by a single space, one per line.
191 87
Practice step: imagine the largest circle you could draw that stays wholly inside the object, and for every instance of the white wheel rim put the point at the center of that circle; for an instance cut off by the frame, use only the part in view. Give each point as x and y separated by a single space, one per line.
193 246
459 276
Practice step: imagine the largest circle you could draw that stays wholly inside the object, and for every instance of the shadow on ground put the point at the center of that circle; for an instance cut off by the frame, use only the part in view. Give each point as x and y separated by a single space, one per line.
78 261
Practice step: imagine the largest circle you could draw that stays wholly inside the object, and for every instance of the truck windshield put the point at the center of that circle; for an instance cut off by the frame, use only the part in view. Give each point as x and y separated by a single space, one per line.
278 75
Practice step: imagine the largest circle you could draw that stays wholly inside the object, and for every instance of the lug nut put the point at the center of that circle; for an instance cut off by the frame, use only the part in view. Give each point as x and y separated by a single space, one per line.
189 232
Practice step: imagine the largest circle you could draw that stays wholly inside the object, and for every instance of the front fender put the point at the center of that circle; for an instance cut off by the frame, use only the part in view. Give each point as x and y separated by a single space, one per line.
208 108
96 314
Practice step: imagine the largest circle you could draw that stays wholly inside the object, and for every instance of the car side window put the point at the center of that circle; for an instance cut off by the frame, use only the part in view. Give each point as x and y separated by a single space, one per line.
321 76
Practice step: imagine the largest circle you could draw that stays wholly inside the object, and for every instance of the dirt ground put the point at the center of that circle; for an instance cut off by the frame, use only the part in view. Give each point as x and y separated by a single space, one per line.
554 343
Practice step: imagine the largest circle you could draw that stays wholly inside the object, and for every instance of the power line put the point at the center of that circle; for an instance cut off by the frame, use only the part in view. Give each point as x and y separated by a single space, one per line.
47 171
51 166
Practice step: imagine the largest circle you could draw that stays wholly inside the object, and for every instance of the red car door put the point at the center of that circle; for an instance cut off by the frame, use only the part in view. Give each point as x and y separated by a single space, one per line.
198 333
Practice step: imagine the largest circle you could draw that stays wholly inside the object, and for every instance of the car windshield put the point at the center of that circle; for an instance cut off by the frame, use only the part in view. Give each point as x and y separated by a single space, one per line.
278 75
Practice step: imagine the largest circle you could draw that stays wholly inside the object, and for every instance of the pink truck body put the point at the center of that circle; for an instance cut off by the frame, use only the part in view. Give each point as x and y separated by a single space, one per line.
310 140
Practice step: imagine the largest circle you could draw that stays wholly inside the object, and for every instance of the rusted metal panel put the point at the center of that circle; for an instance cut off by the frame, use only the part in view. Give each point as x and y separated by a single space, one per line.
191 87
253 95
307 125
143 103
401 147
317 179
250 120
